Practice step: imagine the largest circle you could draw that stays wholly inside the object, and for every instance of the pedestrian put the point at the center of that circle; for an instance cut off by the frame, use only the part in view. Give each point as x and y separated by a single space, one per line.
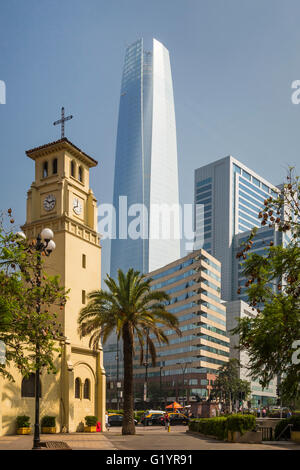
289 414
264 412
106 421
167 421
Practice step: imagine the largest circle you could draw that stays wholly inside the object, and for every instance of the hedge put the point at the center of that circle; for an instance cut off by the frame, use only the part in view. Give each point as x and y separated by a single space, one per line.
220 426
241 423
294 420
210 426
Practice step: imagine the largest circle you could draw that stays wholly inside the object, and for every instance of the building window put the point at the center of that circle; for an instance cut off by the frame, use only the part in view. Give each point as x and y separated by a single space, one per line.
193 382
84 261
28 387
72 169
86 389
83 296
80 174
45 169
77 387
54 166
246 175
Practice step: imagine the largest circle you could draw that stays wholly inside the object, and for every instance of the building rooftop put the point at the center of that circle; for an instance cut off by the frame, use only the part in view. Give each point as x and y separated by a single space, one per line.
61 144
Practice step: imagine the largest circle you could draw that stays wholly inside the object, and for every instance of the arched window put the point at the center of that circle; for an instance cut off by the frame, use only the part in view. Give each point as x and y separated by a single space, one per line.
54 166
77 387
86 389
28 386
45 169
80 174
73 169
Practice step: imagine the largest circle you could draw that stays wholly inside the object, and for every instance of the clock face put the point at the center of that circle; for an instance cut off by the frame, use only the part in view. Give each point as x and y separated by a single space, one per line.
49 202
77 206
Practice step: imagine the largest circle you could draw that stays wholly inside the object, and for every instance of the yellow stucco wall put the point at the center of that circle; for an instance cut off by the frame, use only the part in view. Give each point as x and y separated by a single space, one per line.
75 235
13 405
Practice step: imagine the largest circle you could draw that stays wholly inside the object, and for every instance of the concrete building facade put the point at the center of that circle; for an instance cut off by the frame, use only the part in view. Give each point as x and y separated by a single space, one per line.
194 285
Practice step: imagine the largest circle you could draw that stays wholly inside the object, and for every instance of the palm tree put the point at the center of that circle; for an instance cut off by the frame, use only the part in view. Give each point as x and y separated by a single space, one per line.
131 309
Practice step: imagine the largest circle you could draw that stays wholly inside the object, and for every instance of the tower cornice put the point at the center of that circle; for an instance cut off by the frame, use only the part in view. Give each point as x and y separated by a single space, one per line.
63 224
58 145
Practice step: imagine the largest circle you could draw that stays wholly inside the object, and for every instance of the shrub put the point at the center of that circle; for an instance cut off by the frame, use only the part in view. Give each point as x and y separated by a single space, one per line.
210 426
294 420
241 423
220 426
48 422
91 420
23 421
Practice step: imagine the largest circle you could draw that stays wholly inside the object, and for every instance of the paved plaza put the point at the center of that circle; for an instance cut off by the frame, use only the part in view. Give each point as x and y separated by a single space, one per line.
154 438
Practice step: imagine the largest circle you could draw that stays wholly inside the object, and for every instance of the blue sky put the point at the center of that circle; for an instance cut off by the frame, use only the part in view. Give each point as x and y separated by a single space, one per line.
233 63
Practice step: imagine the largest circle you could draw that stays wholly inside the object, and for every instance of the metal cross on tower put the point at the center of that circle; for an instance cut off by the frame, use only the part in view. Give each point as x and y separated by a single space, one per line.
62 121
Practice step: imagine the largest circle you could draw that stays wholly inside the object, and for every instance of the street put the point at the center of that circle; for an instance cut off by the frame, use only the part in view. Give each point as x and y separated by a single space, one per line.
146 438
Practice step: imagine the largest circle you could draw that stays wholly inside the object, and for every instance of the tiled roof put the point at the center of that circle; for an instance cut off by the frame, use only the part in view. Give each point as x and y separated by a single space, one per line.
64 140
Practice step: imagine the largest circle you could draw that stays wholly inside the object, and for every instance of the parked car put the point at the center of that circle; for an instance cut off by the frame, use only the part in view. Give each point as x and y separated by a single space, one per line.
115 419
150 419
178 418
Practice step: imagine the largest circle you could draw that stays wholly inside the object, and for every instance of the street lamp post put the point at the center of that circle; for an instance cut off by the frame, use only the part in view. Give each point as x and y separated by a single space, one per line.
118 391
183 374
44 244
160 385
146 363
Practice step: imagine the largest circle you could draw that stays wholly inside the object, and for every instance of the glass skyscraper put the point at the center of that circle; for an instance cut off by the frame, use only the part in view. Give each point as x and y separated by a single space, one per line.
146 162
228 199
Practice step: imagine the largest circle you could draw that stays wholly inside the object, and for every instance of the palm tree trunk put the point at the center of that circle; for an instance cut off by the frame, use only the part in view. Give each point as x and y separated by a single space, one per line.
128 419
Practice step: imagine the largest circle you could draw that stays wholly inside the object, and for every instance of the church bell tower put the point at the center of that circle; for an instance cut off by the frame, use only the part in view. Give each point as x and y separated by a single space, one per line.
61 199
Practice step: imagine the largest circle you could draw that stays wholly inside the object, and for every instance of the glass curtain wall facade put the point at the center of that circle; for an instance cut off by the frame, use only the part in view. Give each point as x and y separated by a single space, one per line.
259 396
228 199
146 160
194 285
260 246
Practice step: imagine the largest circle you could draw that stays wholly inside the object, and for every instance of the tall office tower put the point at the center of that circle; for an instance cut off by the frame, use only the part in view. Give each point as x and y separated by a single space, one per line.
146 163
228 198
194 284
262 240
236 310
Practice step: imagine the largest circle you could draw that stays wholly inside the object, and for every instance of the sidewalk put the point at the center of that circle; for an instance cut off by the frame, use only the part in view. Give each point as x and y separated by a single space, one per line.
77 441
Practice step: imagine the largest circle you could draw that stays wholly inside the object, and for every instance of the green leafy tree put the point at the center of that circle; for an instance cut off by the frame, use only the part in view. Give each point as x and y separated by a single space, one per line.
132 310
228 386
29 304
273 289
